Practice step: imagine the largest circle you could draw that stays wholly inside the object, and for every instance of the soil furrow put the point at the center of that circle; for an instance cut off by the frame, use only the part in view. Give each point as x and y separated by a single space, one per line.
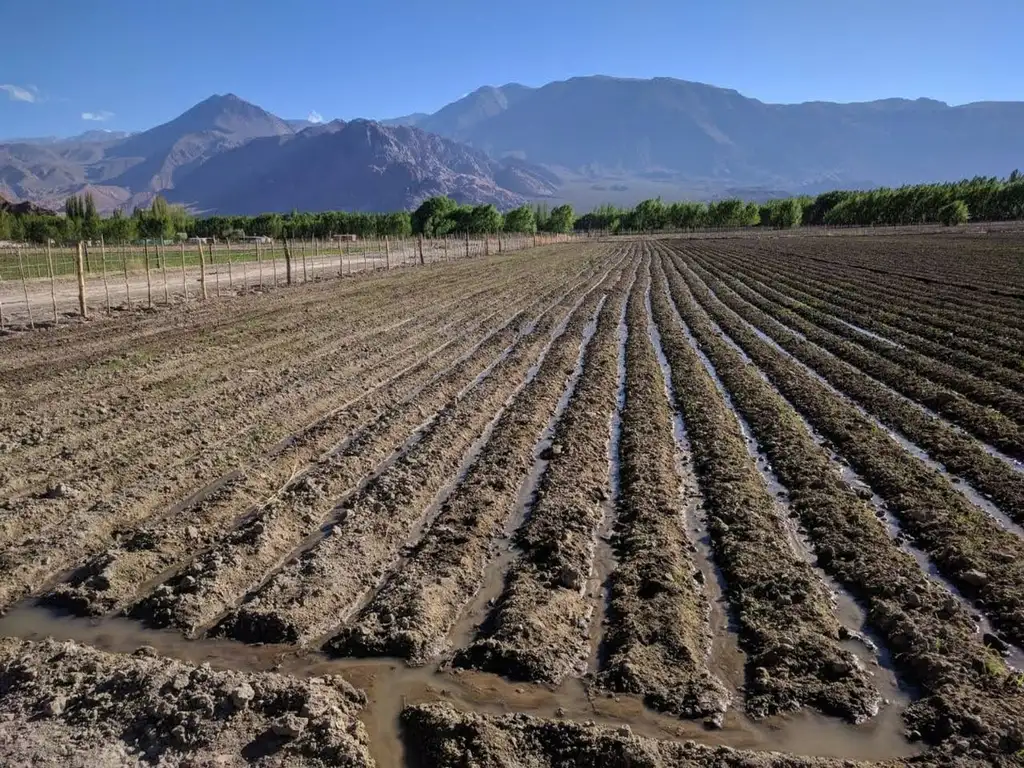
110 579
785 617
950 450
195 393
919 303
656 643
932 638
939 347
313 593
103 580
971 377
64 544
905 374
970 548
159 368
382 428
411 615
538 630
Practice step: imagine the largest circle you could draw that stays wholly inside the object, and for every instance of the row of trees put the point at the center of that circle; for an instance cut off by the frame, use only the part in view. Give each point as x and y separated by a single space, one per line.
440 216
981 198
81 221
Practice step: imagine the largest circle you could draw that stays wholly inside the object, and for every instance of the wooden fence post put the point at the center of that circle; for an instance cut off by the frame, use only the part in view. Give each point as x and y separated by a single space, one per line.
80 270
149 280
287 262
103 269
387 251
124 269
302 250
419 243
184 280
467 245
161 259
24 290
216 272
202 270
259 261
53 289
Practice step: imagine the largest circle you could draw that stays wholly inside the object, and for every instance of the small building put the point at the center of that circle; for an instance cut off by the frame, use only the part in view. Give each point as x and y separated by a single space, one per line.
346 238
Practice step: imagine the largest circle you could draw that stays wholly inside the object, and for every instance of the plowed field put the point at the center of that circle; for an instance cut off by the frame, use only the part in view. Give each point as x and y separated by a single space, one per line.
729 502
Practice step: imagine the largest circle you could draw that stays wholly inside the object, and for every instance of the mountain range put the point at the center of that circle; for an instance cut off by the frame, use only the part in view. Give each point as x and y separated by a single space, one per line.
585 140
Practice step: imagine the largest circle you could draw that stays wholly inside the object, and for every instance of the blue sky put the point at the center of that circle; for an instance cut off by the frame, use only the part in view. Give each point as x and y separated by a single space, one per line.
67 67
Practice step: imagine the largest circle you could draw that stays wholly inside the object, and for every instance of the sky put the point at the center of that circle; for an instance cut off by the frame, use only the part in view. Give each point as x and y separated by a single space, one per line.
68 67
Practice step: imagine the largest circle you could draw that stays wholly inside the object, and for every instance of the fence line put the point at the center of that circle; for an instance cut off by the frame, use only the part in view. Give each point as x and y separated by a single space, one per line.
72 282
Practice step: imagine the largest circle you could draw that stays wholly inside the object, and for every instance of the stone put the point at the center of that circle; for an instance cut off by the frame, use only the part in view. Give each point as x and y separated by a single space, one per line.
975 577
996 643
56 706
57 491
289 726
570 578
242 695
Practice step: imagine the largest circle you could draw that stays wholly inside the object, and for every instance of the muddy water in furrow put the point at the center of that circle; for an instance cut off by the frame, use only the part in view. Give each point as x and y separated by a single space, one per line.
473 453
759 289
989 637
604 554
391 685
963 487
848 611
727 661
494 575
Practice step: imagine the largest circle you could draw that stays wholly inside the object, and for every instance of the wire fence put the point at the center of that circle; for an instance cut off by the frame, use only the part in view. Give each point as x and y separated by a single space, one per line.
43 286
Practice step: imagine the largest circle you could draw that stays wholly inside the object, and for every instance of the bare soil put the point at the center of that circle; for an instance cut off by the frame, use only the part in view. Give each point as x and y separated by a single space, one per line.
594 503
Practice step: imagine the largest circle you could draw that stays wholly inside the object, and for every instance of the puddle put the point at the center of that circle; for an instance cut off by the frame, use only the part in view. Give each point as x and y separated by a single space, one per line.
390 685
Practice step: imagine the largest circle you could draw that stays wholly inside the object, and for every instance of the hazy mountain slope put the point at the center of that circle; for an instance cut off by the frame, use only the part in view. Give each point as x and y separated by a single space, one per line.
687 131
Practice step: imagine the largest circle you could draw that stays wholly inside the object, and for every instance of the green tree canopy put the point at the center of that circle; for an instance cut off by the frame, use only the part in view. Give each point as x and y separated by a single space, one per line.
954 213
562 219
434 217
521 219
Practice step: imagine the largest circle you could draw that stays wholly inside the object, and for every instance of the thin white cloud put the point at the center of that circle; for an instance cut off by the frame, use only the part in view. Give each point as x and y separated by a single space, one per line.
98 117
315 117
17 93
